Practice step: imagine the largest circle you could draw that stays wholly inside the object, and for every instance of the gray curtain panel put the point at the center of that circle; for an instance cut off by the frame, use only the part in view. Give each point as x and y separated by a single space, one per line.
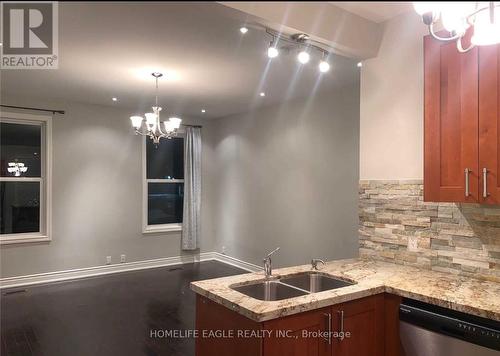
192 189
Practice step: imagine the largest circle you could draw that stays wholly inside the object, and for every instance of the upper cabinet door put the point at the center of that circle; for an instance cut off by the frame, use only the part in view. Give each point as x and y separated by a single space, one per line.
489 124
451 123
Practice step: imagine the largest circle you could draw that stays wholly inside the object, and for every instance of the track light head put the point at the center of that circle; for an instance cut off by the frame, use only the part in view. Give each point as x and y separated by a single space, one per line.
324 66
303 57
272 52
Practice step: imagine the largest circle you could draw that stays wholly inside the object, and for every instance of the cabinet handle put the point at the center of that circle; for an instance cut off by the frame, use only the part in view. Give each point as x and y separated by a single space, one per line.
485 183
341 312
467 172
329 328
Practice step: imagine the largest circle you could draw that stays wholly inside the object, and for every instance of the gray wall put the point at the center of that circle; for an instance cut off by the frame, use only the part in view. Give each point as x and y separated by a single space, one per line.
277 176
288 176
97 187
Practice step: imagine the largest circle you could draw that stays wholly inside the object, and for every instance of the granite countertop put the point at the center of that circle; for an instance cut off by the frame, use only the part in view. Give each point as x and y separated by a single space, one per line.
465 294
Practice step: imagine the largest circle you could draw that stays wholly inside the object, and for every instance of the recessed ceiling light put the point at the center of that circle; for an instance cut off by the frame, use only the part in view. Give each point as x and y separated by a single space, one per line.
114 99
360 64
203 111
243 30
262 94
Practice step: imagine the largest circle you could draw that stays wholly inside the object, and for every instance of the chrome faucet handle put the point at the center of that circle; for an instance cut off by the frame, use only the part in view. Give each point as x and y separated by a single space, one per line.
267 262
314 263
272 252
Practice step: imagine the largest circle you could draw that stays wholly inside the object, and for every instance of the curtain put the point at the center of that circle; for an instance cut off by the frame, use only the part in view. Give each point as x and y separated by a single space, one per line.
192 189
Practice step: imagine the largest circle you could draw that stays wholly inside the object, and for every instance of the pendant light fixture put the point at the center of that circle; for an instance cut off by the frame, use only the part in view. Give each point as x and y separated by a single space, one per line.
152 125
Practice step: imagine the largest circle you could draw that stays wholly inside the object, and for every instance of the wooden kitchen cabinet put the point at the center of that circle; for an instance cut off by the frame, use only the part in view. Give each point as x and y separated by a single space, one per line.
300 339
451 123
372 323
214 322
489 124
461 123
364 320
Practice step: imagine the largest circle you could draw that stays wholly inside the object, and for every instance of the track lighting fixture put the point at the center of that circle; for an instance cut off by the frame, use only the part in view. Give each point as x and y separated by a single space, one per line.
301 42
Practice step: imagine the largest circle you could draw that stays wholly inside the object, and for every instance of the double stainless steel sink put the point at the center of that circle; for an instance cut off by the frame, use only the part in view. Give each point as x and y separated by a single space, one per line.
292 286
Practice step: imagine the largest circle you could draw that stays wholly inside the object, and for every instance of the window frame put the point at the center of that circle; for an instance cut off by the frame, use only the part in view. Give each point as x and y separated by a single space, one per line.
158 228
45 179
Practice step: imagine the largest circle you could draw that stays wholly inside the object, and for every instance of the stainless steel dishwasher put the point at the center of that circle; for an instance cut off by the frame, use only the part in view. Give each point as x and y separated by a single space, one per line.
428 330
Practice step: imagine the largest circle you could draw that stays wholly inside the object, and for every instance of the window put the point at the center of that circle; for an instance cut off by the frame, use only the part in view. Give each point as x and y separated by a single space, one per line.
163 185
24 178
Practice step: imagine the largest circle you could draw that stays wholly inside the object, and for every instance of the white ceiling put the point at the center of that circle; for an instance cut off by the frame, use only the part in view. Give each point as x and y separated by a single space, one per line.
109 49
377 11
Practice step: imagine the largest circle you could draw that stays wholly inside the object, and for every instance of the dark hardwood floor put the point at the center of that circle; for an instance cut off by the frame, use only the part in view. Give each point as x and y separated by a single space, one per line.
108 315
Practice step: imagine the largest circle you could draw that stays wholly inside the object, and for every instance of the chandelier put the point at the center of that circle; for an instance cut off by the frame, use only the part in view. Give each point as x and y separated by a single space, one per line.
152 125
16 168
457 17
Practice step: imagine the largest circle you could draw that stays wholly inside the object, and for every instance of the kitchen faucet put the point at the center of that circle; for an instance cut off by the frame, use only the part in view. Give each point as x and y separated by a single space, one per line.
267 263
314 263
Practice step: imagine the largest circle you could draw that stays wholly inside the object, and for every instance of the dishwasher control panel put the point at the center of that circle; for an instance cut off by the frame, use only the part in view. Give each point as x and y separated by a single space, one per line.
479 331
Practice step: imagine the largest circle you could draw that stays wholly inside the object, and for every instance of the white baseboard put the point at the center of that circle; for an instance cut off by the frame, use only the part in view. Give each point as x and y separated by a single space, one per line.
48 277
247 266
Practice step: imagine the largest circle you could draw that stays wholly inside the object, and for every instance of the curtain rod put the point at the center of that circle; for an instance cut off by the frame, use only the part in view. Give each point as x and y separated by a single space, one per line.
62 112
53 111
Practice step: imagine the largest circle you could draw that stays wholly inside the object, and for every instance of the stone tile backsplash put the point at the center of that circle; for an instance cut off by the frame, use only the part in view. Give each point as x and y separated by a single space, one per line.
396 225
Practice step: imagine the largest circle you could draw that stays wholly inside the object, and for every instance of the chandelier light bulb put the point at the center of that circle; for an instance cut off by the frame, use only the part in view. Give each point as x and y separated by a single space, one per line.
303 57
272 52
485 32
136 121
454 16
150 119
176 122
324 66
169 126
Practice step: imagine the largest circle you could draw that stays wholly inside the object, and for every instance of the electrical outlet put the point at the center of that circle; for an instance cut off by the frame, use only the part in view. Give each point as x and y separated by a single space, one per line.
412 243
108 260
123 258
223 250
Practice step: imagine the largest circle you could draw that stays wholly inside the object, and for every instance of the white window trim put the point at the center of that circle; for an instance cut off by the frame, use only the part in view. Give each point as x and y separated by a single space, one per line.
46 193
159 228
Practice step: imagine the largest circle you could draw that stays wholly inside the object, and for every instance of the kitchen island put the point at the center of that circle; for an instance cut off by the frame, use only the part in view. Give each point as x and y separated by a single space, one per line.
367 309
